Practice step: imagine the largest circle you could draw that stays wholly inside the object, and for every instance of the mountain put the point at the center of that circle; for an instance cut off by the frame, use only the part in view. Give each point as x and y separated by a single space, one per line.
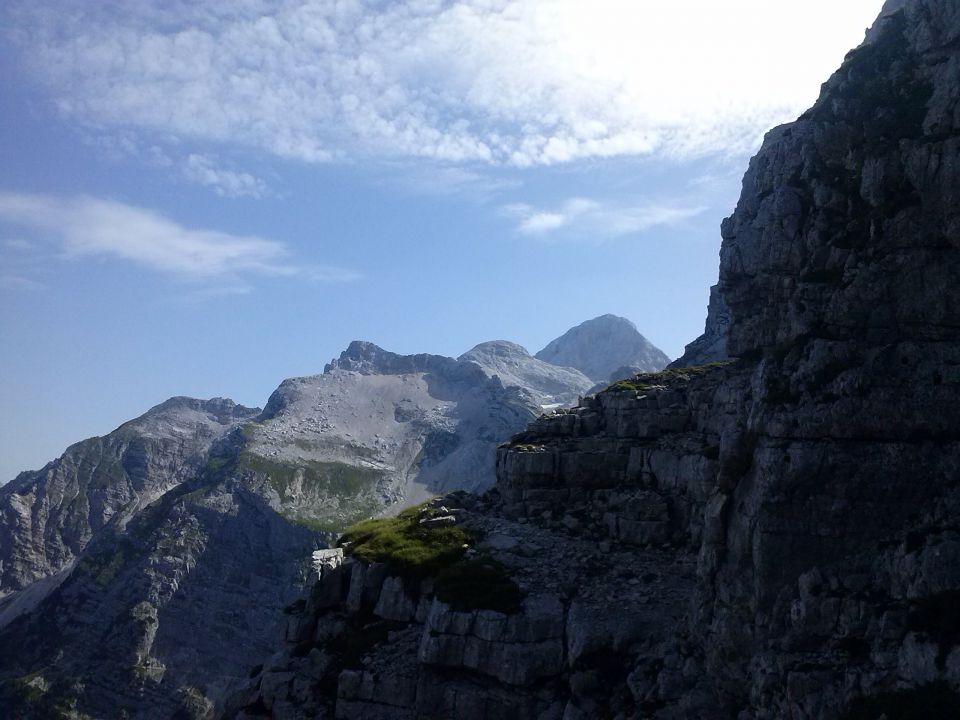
602 347
510 362
774 536
147 571
47 517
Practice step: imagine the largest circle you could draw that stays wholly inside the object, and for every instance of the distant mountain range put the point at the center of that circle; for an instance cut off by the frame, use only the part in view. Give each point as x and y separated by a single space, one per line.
160 556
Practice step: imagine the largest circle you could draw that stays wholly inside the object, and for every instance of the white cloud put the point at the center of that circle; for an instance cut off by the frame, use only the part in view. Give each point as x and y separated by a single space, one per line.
87 226
447 180
518 82
226 183
593 220
194 167
540 222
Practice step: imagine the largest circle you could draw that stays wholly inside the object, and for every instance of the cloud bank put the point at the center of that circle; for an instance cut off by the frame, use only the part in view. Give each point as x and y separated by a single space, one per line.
596 220
91 227
505 82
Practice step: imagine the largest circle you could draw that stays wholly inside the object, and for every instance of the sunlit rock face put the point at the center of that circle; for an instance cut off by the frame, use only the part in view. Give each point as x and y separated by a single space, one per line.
784 525
600 347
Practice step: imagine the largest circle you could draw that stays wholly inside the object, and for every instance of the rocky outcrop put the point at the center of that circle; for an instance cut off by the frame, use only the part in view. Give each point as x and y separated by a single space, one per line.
601 346
789 521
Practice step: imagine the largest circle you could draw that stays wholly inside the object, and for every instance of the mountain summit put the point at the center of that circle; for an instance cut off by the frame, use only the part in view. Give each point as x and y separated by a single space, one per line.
602 347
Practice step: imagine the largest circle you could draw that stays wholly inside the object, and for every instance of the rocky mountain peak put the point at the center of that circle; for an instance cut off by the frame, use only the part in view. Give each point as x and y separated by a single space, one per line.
601 346
369 359
515 366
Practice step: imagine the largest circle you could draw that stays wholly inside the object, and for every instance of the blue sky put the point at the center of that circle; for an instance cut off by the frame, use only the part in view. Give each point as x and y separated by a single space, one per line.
204 199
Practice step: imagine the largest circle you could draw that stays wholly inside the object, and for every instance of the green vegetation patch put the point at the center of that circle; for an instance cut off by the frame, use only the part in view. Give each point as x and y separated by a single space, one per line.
327 478
646 381
934 701
404 544
478 584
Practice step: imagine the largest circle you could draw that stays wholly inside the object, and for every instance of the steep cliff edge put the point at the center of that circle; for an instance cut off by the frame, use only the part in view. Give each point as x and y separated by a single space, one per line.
804 498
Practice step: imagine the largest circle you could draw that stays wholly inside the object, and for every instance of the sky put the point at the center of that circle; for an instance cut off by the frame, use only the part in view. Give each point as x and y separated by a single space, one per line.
206 198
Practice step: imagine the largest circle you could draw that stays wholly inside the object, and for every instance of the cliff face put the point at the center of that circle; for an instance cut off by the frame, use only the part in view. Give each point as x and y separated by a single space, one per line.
787 524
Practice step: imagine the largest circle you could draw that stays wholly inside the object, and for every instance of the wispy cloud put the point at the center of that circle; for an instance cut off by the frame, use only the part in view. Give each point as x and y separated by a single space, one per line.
596 220
510 82
197 168
456 181
87 226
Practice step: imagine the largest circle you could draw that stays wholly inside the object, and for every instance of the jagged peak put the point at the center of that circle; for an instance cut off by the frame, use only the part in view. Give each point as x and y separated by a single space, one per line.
599 346
370 359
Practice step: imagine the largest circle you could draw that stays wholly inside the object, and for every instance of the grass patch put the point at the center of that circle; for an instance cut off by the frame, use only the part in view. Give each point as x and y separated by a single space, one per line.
934 701
478 584
646 381
404 544
328 478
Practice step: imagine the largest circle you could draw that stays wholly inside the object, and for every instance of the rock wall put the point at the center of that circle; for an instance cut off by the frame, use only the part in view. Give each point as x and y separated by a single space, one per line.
368 642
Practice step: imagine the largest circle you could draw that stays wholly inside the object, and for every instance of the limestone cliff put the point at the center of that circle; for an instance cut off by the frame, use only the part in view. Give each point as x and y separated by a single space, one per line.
777 536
